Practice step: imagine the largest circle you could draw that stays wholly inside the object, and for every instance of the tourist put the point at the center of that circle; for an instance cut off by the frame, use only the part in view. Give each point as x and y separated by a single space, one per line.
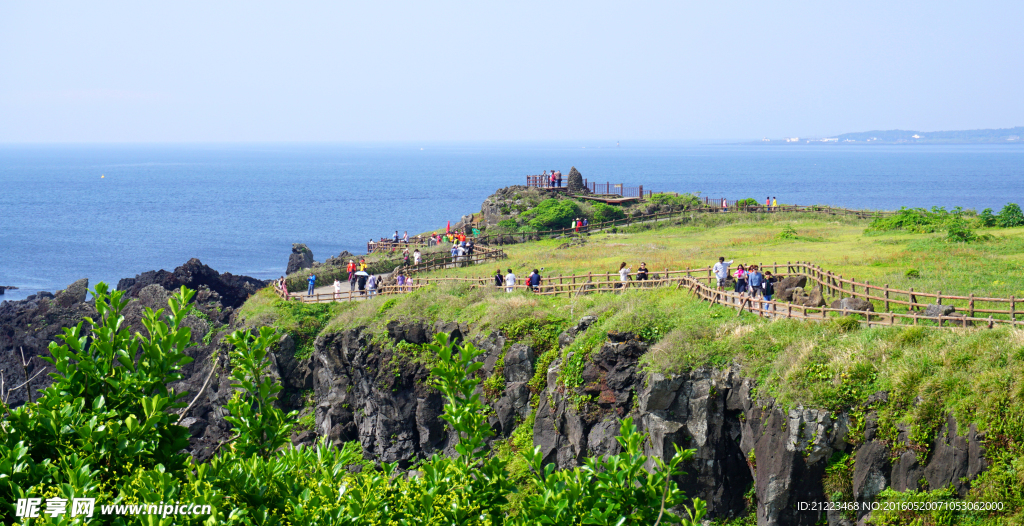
768 204
455 253
624 274
405 237
395 238
721 270
400 281
510 281
312 282
499 280
641 273
741 280
534 280
586 223
362 283
405 256
552 179
416 257
352 281
362 264
576 223
725 205
755 281
469 248
768 289
558 178
408 283
775 204
337 289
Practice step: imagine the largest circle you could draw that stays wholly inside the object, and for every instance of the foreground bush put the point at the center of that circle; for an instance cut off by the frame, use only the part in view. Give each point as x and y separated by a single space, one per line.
107 429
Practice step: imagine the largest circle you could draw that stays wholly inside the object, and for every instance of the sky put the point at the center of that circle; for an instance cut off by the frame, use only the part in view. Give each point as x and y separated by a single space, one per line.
506 71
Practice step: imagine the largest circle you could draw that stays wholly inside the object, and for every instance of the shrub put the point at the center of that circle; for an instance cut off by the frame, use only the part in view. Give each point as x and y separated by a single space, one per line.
750 201
916 220
958 231
554 213
675 201
788 232
1011 216
986 218
604 212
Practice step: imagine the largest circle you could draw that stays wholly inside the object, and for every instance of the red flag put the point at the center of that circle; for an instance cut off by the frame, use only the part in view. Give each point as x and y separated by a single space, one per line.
449 229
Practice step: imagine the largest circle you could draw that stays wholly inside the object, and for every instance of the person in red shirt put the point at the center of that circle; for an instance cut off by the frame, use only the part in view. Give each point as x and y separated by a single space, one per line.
351 266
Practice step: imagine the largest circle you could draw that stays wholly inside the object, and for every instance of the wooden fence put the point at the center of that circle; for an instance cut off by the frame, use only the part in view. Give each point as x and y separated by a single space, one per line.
701 282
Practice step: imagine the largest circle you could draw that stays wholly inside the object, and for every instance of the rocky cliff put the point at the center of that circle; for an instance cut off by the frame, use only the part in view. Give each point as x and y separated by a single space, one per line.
751 453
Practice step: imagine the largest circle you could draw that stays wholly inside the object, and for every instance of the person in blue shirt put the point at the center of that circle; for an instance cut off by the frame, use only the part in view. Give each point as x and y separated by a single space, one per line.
534 280
312 283
755 281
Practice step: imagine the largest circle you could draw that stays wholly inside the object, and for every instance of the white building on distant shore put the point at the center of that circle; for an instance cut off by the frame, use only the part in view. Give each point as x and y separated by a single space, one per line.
792 139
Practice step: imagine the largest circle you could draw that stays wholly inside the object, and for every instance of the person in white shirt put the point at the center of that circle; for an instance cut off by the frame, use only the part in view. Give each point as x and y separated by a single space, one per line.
510 281
416 256
624 274
721 270
337 289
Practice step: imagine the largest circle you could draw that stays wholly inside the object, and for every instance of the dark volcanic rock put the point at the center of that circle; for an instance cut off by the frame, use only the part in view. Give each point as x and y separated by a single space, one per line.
300 258
231 291
939 310
853 304
575 182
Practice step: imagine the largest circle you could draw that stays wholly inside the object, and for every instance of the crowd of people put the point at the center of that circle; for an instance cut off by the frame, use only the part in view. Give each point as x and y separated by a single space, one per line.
554 180
748 280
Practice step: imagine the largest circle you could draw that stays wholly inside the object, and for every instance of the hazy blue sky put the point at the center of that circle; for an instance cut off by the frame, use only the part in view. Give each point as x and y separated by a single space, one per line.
349 71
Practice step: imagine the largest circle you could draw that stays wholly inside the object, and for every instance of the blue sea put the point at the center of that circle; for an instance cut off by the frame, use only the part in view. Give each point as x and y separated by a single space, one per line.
111 211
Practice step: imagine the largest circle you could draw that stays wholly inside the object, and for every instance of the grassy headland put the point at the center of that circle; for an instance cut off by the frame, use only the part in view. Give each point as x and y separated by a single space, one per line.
975 374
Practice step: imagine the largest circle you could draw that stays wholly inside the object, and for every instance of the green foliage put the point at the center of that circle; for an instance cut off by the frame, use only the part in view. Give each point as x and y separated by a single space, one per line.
986 218
959 231
749 201
554 213
260 427
788 232
605 212
1010 216
838 480
912 274
916 220
508 225
675 201
108 416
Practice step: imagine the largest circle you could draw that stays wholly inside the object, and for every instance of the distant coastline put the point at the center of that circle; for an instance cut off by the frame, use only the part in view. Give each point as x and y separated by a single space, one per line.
989 136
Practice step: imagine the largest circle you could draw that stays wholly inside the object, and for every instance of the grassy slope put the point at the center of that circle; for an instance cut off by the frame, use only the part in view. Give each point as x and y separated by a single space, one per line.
993 267
976 374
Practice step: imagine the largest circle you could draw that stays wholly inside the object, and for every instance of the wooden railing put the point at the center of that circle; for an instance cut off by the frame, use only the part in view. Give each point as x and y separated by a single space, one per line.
701 282
387 245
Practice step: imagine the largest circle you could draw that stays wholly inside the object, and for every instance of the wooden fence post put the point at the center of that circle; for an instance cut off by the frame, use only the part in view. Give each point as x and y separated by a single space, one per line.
1013 310
886 297
913 302
938 301
970 306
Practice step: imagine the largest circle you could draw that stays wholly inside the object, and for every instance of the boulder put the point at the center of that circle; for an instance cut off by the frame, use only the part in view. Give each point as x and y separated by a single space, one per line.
300 258
853 304
815 298
75 293
935 311
785 287
575 182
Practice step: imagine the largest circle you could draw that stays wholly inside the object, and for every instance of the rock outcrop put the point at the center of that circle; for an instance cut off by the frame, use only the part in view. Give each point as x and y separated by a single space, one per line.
227 289
300 258
853 304
575 182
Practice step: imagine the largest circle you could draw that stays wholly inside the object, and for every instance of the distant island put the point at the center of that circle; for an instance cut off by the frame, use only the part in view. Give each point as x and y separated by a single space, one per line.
997 136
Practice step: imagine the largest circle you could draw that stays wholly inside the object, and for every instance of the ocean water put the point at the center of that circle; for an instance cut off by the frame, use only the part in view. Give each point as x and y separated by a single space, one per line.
111 211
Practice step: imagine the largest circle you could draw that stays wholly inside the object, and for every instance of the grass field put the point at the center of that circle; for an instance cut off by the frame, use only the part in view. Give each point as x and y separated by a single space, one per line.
994 267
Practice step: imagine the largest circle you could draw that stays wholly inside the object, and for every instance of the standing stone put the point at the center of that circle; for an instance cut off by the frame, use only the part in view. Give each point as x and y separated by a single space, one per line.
301 257
75 293
575 183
